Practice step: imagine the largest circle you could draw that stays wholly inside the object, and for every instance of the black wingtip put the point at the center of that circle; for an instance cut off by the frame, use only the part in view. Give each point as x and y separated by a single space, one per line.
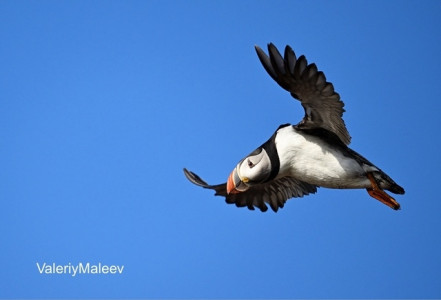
265 60
221 189
195 179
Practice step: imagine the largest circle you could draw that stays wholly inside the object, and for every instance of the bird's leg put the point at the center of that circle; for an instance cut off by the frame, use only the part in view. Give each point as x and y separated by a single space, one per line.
381 195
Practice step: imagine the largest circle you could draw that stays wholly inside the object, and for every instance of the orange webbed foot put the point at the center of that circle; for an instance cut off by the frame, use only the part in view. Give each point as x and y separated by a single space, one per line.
380 195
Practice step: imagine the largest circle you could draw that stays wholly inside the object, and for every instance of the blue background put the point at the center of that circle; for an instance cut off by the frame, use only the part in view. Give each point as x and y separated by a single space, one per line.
102 103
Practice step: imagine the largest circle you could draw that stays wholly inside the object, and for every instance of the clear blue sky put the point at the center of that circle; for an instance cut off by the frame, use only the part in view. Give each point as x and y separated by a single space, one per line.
102 103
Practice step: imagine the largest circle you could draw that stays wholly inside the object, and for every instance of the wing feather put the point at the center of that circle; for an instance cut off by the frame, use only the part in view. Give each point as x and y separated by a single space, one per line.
275 193
322 105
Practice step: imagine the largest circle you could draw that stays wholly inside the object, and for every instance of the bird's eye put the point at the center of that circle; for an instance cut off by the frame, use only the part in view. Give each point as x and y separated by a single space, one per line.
250 163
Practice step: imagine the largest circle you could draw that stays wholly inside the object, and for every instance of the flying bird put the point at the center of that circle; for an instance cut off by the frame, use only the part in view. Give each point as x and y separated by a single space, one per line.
297 159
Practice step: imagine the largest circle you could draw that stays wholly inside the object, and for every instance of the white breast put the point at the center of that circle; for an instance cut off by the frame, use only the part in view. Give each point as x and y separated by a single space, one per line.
312 160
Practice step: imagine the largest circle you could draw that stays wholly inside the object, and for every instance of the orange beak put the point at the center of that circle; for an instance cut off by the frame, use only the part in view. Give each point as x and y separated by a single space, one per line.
231 185
235 184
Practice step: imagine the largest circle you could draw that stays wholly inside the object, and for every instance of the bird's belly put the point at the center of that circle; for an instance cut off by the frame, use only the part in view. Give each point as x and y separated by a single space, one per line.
309 159
329 171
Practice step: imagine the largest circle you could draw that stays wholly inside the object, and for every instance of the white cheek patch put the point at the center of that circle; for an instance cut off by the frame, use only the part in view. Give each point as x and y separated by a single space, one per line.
265 164
259 171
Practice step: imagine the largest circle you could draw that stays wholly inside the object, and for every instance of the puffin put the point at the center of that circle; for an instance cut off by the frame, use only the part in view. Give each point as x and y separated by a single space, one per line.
297 159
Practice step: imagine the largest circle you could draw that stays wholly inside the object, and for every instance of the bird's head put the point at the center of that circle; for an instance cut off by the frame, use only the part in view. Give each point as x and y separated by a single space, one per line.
261 165
253 169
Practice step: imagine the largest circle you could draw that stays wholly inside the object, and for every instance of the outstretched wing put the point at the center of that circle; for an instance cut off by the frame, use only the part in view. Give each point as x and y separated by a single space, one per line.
322 105
275 193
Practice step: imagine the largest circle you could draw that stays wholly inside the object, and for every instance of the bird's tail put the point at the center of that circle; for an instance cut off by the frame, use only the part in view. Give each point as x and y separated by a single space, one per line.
387 183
